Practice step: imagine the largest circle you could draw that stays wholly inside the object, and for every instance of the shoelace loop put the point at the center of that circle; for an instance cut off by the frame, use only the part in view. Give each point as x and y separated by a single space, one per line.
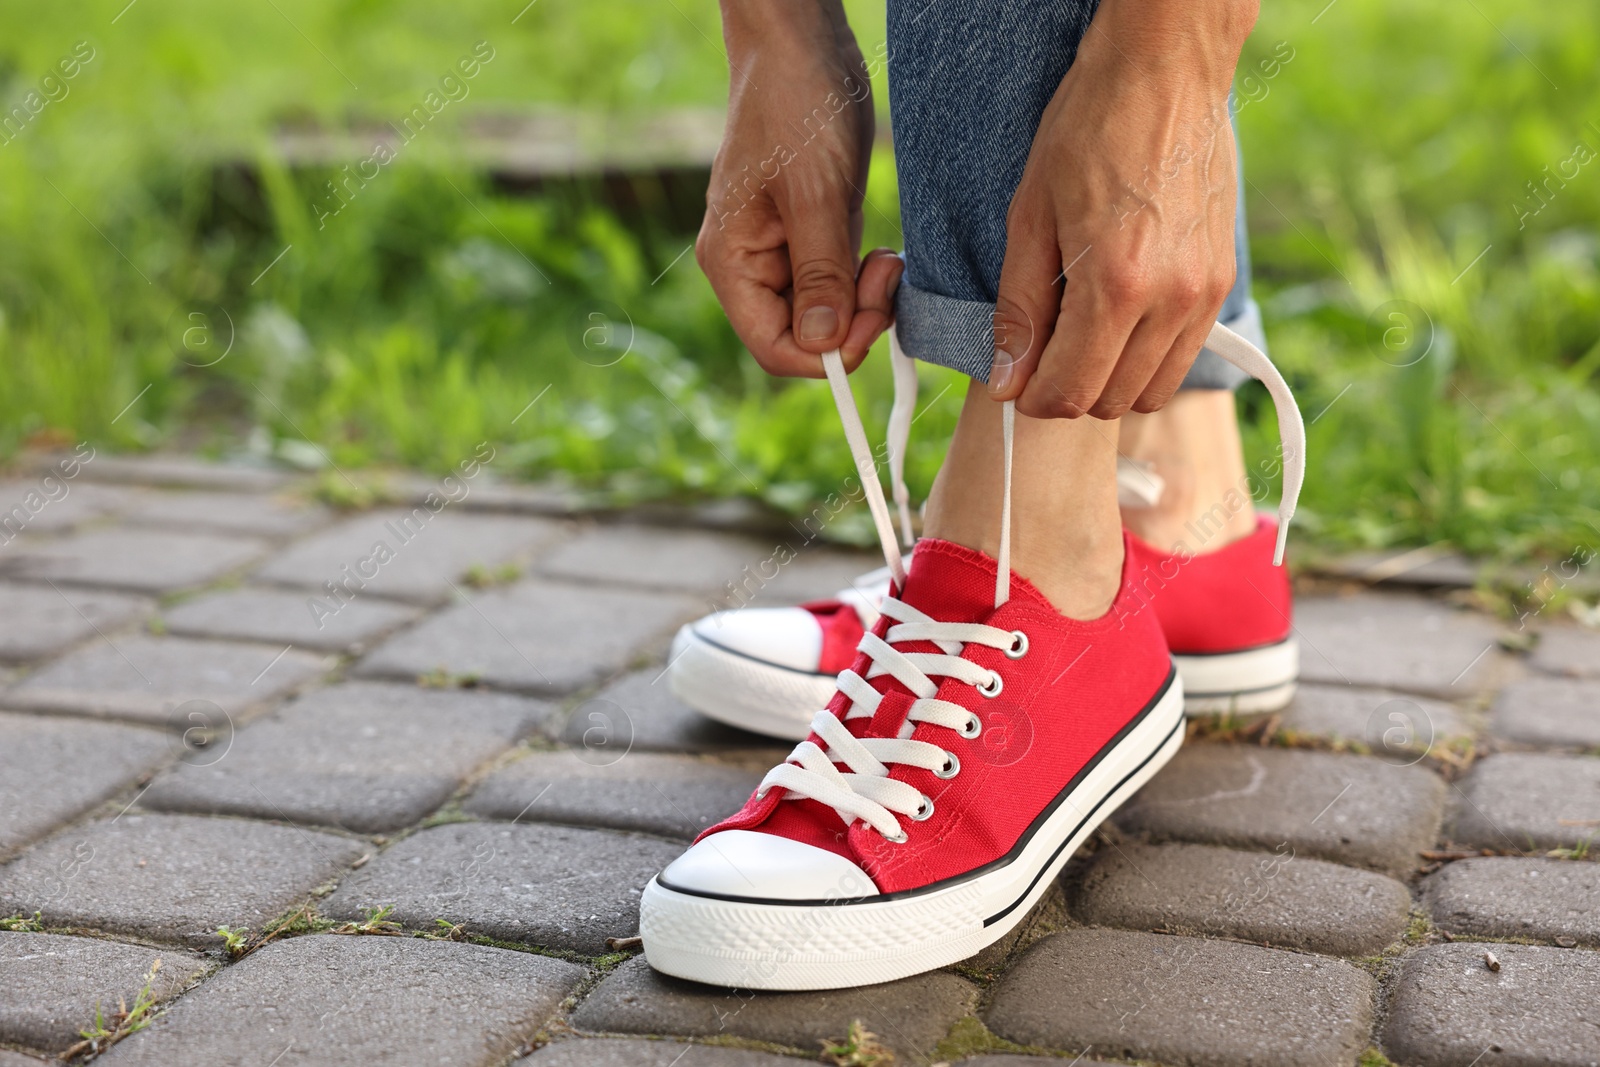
864 790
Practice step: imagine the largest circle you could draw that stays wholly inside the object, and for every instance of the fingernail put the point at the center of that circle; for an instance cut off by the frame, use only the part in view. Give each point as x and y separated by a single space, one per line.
818 323
1000 373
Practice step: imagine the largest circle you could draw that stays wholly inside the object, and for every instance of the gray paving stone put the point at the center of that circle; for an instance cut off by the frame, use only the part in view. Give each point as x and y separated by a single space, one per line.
362 757
17 1059
37 621
171 877
185 472
640 707
52 770
333 1001
423 553
542 885
1422 568
1527 800
1450 1010
1504 896
1568 650
1280 898
254 514
1549 711
535 635
656 557
1389 723
1324 805
1183 1000
164 679
1396 642
121 557
281 617
675 796
910 1016
52 984
83 503
639 1052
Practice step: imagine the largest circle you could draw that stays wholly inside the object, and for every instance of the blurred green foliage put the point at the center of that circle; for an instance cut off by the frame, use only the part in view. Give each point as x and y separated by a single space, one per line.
1439 319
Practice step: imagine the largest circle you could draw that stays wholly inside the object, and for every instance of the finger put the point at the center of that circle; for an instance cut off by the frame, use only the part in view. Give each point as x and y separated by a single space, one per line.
748 267
1092 331
1027 304
1174 367
1142 355
823 260
875 289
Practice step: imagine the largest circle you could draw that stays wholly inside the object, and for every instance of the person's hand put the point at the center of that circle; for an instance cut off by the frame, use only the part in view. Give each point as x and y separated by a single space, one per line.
783 218
1129 191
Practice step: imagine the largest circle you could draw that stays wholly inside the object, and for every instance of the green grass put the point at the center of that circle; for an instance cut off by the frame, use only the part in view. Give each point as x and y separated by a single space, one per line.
1384 157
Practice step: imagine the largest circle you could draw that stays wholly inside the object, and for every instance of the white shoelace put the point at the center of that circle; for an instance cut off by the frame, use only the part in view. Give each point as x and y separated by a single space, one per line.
865 791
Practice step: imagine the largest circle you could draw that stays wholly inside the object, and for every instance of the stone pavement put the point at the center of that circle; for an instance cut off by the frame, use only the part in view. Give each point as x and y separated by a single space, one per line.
397 806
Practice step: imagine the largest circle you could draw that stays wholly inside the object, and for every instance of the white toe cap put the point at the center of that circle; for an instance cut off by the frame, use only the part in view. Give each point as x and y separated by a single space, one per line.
786 637
748 863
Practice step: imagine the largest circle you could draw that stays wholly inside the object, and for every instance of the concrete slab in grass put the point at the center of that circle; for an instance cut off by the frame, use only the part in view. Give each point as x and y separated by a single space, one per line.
641 1052
1505 896
1389 723
51 985
676 796
656 557
1549 711
252 514
363 757
552 886
334 1001
1537 1010
1183 1000
1568 650
1397 642
52 770
138 560
1277 898
1350 809
280 617
545 637
172 877
165 679
411 554
37 621
1527 800
910 1016
638 712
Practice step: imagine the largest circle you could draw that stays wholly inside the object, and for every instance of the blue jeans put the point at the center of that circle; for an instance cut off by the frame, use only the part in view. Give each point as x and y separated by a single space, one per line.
968 82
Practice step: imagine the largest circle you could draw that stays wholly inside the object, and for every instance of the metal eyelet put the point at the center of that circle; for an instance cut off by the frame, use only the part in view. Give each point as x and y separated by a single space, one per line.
973 727
952 764
924 810
1019 647
898 840
996 684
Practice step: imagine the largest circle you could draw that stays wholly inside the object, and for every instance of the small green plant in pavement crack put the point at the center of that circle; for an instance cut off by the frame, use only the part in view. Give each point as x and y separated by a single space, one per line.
107 1031
377 921
234 942
22 924
860 1048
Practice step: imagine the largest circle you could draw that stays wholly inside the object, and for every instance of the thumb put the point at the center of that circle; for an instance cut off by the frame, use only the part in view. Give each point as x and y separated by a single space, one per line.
822 258
1026 307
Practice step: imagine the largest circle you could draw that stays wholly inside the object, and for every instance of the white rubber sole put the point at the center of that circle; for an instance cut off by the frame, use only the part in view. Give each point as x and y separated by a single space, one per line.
749 944
748 693
1240 683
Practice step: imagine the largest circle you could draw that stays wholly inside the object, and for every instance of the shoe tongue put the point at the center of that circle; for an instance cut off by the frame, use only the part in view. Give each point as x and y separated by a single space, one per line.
952 583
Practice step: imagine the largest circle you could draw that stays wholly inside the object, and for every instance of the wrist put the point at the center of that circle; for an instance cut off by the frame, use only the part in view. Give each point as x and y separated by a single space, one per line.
752 26
1205 36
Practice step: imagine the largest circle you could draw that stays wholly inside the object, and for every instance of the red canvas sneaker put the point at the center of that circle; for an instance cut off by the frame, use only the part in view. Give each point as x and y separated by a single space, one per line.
968 751
1227 619
974 742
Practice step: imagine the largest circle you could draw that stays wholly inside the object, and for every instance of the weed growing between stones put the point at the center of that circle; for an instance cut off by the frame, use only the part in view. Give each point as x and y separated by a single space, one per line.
22 924
860 1048
105 1032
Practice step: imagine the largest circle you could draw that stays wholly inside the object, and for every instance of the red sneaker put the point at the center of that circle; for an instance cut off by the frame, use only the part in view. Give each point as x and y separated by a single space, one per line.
968 751
1227 619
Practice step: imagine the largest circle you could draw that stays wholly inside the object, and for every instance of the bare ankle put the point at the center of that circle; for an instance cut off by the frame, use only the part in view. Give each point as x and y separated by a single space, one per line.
1193 446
